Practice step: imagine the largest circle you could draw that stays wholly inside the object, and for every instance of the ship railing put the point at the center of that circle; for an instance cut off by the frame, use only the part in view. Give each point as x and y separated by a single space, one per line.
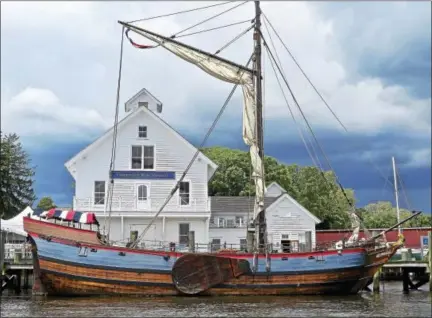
219 247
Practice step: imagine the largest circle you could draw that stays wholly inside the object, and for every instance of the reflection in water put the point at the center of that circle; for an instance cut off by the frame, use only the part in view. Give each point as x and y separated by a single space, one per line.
391 303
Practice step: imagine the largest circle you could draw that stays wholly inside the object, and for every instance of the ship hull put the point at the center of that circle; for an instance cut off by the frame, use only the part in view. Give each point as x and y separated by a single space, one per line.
65 266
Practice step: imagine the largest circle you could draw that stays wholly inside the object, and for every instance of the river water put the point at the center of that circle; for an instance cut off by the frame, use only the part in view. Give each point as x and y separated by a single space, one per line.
391 302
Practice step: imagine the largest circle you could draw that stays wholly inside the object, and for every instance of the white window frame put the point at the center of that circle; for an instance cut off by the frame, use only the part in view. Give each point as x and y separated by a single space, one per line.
154 157
131 157
143 157
213 244
190 194
189 228
223 220
230 223
145 130
148 192
241 218
94 192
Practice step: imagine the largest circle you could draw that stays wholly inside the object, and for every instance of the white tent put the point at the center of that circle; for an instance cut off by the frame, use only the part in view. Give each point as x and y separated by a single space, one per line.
16 224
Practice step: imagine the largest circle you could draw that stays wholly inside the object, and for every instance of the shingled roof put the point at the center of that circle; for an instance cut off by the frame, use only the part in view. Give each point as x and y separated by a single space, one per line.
237 204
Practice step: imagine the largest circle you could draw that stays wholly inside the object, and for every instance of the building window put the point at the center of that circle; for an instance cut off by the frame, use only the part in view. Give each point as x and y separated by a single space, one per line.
184 191
142 157
148 157
143 104
230 223
215 245
99 192
136 157
212 221
221 222
243 244
142 193
184 233
239 221
142 131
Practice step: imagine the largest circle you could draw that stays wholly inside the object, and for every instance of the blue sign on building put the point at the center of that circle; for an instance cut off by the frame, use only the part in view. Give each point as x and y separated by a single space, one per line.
149 175
425 241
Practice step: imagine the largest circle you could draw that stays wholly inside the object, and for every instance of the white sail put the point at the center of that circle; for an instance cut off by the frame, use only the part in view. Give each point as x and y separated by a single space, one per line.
230 73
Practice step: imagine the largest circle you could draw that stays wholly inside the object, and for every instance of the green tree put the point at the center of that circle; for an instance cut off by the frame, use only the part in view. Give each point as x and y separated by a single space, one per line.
383 214
316 191
16 177
46 203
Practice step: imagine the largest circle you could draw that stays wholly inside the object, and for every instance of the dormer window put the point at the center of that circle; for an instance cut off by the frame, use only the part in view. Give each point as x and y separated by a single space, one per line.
142 131
143 104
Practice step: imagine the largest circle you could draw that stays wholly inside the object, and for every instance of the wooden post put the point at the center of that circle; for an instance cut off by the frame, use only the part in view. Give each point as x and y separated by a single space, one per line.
430 261
405 279
308 239
191 241
26 279
250 241
2 250
376 281
18 282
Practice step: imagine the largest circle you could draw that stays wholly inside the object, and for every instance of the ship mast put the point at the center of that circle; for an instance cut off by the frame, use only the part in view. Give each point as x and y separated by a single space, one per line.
260 222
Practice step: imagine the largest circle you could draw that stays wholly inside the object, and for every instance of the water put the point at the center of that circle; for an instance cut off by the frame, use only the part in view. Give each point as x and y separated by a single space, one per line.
389 303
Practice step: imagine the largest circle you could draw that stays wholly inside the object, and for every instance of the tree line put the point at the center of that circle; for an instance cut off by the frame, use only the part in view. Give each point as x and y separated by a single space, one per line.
317 191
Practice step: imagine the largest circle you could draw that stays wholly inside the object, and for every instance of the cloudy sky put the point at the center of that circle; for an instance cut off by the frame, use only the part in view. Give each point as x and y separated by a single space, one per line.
370 60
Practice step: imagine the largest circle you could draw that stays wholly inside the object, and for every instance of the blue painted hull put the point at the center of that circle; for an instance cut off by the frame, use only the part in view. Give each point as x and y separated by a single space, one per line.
70 261
67 269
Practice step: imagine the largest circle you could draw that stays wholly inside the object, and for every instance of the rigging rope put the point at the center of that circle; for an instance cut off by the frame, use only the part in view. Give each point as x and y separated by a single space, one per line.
402 184
180 12
319 94
313 135
175 35
304 74
208 19
215 28
312 154
114 143
304 117
234 39
173 191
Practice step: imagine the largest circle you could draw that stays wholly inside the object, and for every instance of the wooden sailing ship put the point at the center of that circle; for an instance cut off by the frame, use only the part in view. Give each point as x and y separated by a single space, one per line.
69 260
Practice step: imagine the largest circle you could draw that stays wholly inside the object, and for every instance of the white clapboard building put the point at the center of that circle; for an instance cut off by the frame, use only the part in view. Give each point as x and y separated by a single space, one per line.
151 156
290 226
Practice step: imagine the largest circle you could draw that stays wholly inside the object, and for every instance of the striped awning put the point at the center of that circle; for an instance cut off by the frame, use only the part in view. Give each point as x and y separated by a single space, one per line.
67 215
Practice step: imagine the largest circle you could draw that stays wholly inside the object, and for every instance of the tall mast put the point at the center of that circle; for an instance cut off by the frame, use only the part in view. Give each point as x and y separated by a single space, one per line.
396 193
261 221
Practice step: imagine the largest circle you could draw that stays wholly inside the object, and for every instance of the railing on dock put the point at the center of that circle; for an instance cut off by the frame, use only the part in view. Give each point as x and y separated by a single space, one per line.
17 255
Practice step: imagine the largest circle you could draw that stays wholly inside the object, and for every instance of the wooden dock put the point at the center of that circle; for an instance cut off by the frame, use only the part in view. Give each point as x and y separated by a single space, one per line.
16 267
407 270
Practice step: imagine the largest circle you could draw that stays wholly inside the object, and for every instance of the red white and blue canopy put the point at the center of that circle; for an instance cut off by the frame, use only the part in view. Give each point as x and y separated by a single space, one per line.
67 215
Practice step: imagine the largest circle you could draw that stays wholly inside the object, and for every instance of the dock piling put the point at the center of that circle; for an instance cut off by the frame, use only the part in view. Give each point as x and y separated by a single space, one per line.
430 261
405 280
376 281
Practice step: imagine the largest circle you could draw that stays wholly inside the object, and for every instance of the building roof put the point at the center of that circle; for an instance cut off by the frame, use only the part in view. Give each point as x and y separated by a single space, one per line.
237 204
132 99
124 122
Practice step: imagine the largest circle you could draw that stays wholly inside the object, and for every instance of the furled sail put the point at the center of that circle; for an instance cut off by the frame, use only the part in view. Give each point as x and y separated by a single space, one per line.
355 225
229 72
